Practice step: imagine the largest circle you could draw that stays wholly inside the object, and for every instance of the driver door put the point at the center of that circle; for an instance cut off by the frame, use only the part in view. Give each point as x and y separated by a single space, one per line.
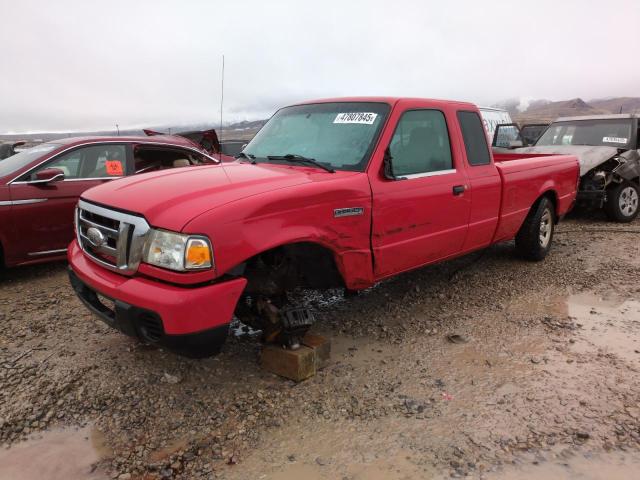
43 213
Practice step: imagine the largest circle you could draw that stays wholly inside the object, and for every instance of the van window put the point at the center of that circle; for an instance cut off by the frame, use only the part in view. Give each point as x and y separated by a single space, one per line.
420 143
475 140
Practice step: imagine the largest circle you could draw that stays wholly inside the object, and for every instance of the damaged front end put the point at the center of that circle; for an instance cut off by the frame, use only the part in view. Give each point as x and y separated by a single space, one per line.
594 185
269 304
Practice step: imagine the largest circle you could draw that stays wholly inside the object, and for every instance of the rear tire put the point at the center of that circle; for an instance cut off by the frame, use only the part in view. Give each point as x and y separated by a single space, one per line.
535 236
622 202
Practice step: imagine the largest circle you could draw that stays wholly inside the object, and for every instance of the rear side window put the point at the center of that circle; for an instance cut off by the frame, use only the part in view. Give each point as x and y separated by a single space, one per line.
420 143
151 159
475 140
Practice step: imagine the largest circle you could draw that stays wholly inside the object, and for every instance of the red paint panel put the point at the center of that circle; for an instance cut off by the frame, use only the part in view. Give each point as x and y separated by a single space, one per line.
47 224
526 180
418 221
299 208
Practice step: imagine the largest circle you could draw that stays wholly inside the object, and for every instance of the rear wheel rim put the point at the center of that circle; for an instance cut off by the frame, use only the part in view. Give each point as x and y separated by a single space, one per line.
628 201
546 227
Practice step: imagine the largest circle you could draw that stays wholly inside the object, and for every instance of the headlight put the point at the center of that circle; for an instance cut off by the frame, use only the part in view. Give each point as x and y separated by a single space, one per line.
176 251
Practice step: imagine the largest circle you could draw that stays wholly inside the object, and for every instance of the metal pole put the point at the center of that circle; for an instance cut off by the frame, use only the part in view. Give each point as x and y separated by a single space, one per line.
221 104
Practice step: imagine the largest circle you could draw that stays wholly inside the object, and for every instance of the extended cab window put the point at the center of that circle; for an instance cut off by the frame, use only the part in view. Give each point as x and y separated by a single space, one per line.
97 161
420 143
475 140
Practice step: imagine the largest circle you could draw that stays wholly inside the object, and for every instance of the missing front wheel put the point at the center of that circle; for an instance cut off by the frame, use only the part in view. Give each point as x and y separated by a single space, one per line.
279 323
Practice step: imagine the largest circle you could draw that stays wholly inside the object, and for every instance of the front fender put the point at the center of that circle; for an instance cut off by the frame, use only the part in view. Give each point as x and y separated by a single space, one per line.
306 213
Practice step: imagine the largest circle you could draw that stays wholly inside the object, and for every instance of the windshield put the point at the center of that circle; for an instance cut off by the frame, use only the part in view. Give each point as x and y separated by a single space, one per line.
609 133
19 160
338 135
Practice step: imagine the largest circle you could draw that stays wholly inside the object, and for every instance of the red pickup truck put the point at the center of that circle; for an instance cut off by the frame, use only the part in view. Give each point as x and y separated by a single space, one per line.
331 193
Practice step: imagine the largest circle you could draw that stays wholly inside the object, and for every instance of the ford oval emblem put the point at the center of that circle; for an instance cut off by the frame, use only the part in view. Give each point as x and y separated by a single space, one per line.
96 237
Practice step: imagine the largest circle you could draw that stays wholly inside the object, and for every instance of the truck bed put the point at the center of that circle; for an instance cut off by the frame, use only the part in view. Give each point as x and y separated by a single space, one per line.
525 177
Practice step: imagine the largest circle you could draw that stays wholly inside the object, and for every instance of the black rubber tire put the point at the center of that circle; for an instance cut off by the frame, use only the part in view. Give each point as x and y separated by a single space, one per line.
612 205
528 244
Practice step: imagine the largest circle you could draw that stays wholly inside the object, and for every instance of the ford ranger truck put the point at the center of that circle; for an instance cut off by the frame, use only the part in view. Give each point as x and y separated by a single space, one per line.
330 193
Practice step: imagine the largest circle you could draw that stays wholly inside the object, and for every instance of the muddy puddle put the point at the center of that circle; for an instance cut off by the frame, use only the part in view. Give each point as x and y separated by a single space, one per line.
64 454
609 466
607 325
612 466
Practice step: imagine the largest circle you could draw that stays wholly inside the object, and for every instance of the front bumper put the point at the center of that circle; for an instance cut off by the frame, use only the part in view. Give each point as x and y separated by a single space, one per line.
192 321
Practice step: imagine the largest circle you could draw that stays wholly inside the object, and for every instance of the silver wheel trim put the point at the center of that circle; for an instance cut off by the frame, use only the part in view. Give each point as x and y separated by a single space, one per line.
628 201
546 227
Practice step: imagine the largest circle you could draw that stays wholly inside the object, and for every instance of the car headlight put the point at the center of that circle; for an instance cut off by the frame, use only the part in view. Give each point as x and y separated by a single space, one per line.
177 251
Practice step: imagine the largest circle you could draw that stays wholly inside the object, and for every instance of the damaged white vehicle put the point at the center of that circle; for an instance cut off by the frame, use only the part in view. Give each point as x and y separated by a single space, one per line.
607 147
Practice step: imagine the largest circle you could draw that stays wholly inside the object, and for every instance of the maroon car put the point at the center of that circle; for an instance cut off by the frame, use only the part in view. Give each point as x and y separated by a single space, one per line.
39 187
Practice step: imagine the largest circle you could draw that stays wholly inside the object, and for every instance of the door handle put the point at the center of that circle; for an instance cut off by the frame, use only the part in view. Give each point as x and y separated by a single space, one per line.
458 189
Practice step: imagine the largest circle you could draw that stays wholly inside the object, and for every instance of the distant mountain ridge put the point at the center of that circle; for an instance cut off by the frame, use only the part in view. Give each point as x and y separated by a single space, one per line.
545 111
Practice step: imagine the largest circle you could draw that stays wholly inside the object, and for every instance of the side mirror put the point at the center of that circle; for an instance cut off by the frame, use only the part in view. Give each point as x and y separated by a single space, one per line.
516 144
47 175
387 163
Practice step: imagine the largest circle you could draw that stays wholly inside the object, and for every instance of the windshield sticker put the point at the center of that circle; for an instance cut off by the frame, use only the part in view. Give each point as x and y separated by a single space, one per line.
364 118
114 167
614 140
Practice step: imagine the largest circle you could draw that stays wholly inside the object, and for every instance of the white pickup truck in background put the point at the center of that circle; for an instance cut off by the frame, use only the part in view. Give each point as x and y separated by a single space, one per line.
491 117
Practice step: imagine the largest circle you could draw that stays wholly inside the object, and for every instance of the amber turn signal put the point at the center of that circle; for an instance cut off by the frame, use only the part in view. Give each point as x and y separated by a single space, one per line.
198 254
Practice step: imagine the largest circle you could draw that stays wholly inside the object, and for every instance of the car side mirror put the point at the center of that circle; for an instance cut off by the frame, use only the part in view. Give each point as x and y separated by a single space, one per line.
387 163
516 144
47 175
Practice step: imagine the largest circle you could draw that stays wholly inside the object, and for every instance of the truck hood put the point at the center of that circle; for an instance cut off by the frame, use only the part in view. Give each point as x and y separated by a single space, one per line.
589 156
171 198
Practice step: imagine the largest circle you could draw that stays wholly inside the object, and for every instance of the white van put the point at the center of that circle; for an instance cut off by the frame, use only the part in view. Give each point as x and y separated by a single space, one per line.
492 117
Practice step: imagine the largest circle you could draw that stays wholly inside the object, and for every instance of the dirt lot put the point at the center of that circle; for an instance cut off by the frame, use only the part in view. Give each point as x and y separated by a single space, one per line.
541 379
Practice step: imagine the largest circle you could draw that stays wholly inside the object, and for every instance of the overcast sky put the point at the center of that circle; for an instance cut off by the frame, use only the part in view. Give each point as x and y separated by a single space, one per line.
87 64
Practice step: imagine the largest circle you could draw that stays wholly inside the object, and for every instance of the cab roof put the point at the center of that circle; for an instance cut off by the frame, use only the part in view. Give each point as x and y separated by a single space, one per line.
390 100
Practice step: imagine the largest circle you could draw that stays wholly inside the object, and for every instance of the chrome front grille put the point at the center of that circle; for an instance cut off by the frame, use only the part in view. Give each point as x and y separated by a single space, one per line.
110 238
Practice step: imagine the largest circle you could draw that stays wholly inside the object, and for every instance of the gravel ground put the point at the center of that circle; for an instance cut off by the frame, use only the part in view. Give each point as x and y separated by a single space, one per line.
479 367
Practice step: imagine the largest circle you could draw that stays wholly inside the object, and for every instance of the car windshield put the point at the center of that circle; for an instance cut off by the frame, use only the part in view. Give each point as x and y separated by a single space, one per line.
609 133
19 160
338 135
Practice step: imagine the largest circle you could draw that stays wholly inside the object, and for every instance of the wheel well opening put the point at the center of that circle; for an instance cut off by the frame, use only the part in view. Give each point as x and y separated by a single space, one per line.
553 198
298 265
